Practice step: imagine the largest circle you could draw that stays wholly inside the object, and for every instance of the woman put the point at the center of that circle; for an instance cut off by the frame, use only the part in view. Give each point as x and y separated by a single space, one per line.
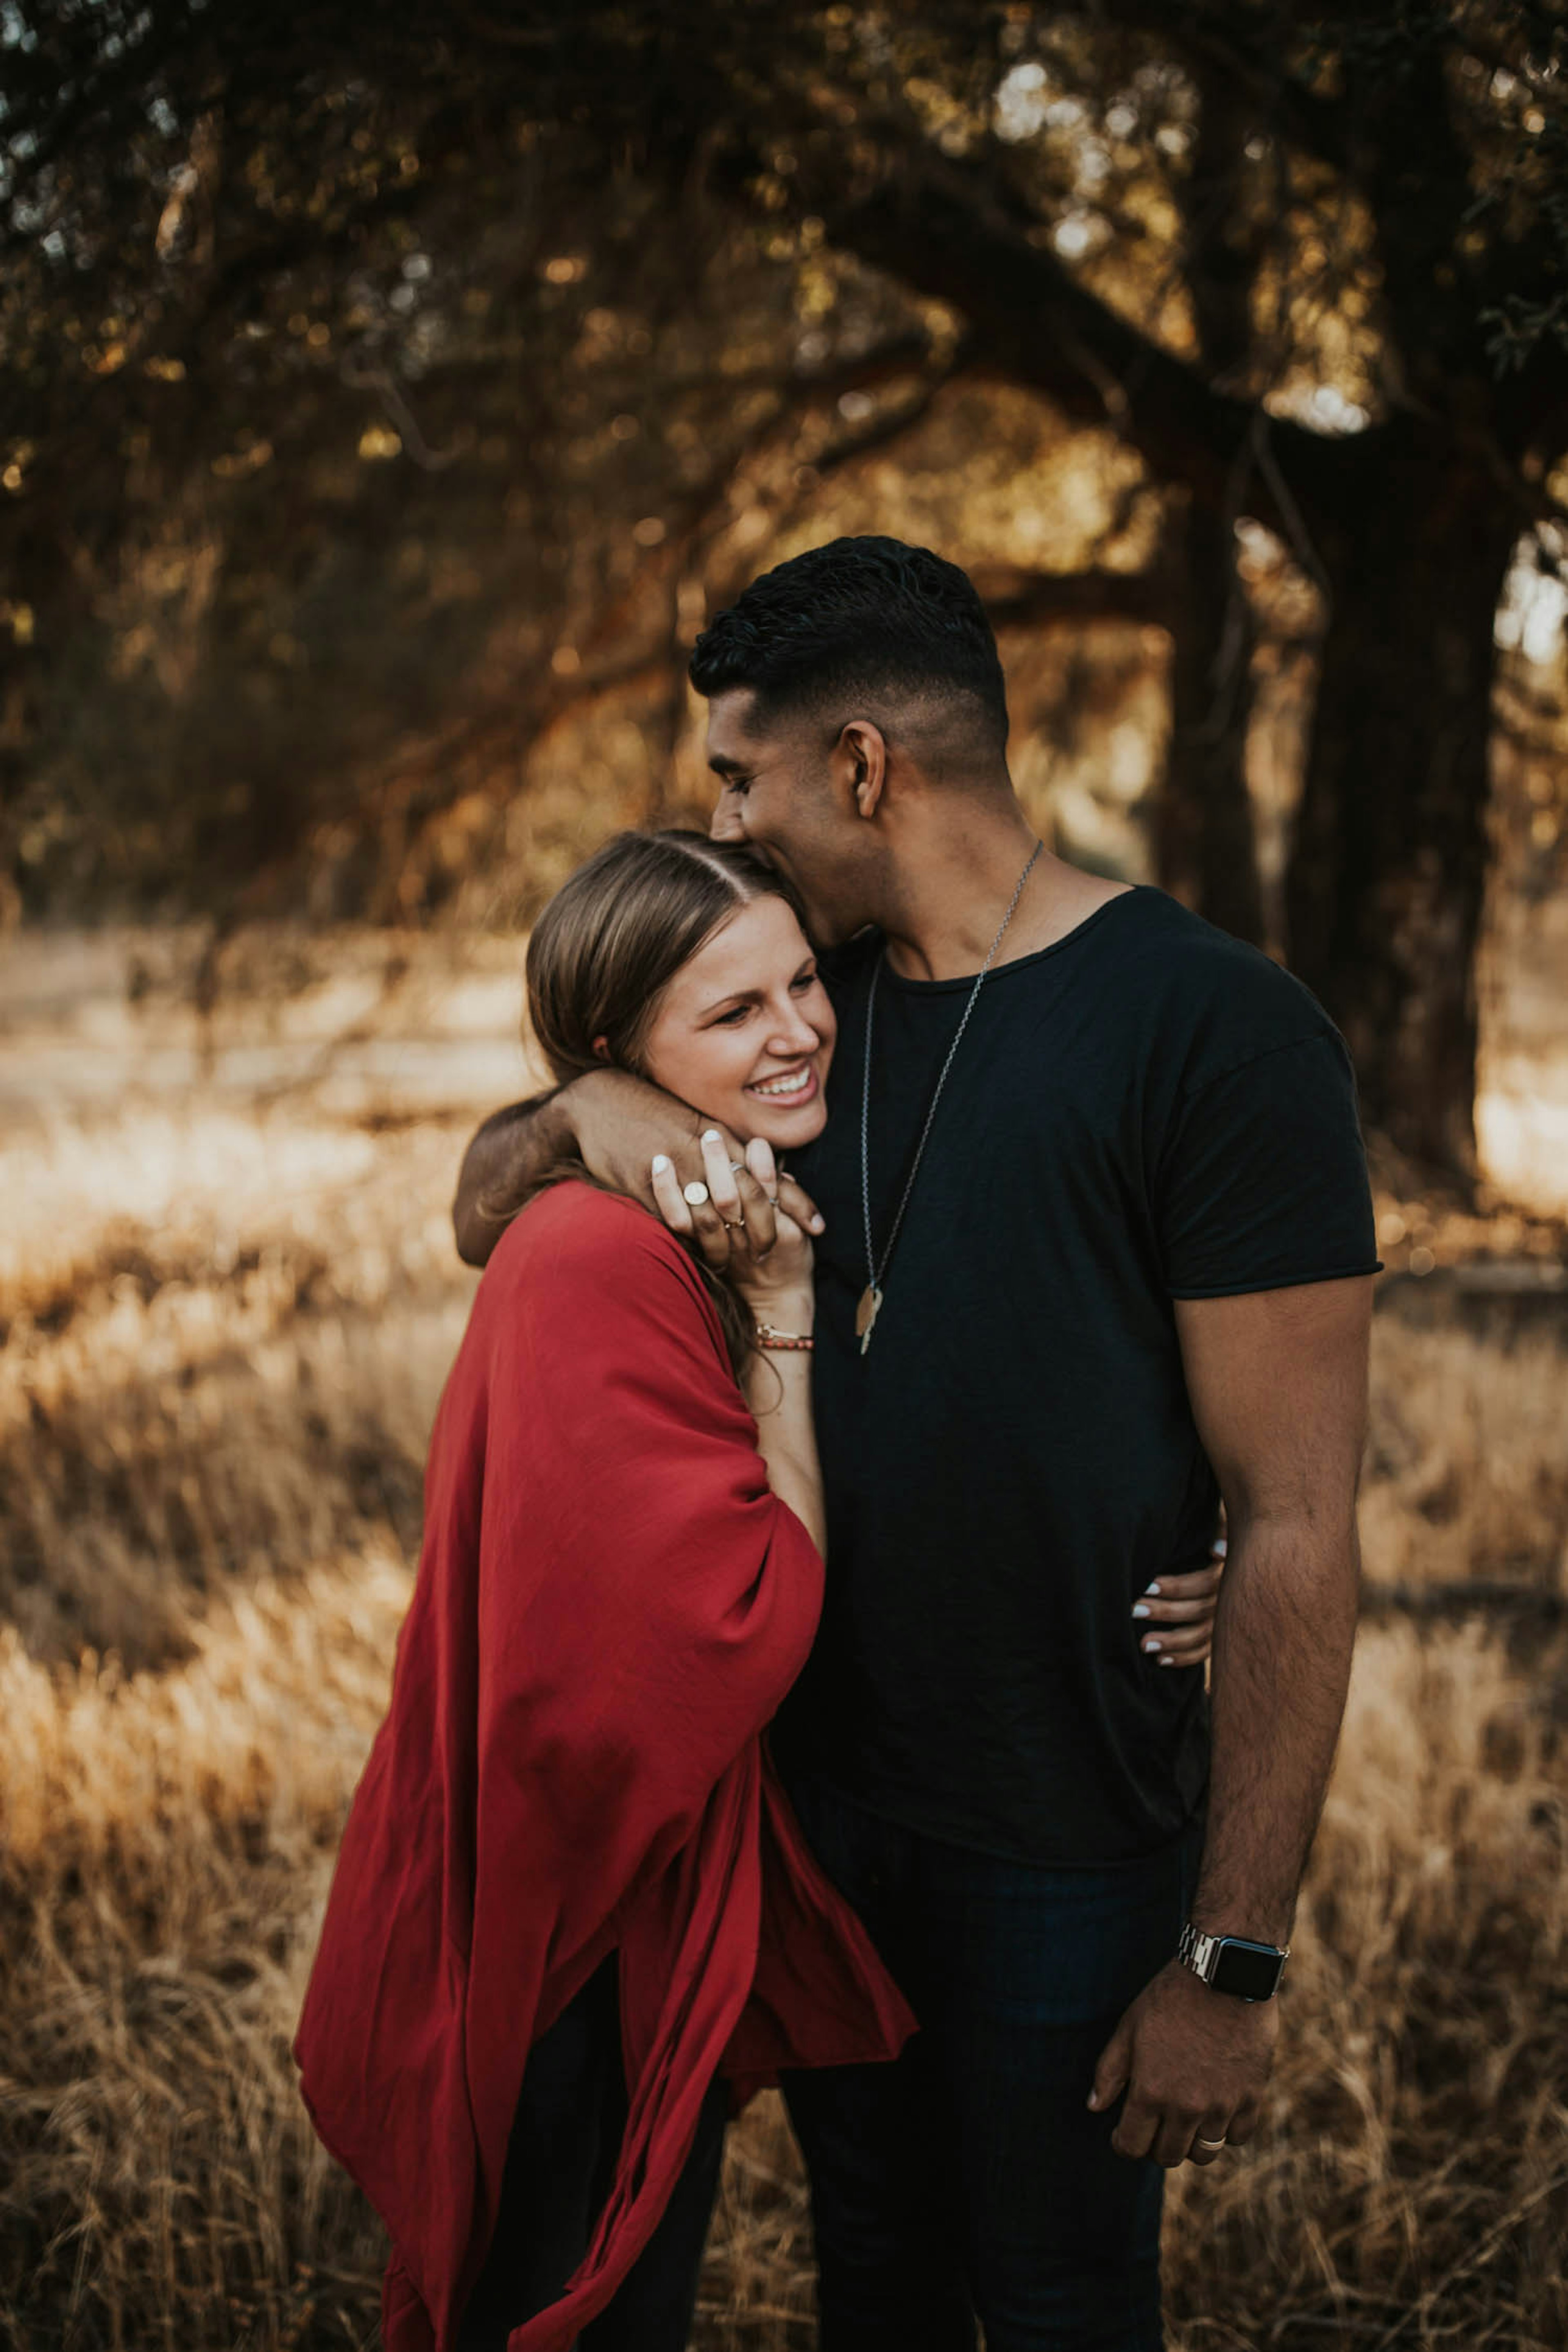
572 1917
567 1848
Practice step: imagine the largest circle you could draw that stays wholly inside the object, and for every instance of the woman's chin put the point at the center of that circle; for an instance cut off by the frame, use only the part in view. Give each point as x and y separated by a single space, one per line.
785 1130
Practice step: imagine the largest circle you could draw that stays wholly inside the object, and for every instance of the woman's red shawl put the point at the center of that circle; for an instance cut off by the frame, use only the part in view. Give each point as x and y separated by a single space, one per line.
611 1603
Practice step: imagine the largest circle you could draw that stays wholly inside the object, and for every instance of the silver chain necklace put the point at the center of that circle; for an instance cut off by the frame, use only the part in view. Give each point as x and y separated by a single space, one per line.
870 1304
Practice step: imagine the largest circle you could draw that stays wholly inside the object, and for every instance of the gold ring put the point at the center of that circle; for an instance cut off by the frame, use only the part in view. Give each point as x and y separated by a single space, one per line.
733 1224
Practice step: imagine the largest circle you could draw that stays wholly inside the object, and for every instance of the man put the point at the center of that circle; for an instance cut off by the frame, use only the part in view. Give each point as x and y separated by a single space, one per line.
1096 1253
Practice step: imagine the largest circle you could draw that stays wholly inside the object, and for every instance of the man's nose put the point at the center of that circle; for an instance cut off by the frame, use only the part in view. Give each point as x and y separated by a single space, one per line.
725 824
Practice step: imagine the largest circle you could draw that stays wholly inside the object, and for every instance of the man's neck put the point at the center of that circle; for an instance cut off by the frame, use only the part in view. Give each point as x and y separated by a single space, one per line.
953 894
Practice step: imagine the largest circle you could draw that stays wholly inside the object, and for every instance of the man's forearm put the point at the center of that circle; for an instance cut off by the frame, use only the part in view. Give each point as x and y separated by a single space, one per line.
510 1147
1283 1642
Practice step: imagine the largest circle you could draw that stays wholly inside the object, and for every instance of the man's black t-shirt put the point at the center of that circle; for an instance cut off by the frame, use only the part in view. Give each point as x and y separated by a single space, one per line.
1145 1111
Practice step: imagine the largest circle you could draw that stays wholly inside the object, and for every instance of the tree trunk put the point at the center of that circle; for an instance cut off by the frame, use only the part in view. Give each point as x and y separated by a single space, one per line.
1385 890
1205 844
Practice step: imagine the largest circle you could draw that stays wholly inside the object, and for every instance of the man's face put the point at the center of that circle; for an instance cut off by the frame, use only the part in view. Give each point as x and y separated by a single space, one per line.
779 794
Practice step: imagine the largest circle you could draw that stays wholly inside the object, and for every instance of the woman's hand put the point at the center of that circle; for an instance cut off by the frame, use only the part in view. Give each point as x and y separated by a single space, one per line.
742 1228
619 1122
1176 1615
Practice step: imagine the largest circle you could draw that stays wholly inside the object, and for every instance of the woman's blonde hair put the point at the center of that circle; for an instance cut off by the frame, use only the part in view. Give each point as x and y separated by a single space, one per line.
601 957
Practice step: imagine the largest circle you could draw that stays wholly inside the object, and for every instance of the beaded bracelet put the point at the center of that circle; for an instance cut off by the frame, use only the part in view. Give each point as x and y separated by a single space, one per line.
782 1342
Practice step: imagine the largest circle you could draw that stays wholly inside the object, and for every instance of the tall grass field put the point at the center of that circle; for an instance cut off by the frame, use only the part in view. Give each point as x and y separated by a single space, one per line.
227 1301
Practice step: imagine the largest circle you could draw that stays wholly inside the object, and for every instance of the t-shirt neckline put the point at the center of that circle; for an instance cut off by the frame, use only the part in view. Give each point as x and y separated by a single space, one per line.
892 979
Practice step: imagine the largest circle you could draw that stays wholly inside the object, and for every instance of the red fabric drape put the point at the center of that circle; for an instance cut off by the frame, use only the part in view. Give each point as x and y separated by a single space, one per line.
611 1603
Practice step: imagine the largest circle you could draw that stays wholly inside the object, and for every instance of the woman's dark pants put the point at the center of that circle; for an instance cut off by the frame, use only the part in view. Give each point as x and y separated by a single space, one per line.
571 2115
969 2179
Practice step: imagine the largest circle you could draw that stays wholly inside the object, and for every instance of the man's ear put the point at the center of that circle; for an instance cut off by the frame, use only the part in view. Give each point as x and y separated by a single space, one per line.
861 756
602 1048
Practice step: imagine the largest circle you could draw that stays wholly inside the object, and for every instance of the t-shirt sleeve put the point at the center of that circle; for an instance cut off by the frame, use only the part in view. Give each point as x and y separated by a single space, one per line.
1263 1183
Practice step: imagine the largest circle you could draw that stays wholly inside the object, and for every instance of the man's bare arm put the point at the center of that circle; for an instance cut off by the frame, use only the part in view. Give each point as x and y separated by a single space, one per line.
496 1166
1278 1381
1278 1386
617 1124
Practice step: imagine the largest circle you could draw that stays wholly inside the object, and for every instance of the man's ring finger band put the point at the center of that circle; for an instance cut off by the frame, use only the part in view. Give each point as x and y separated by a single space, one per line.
1211 2147
695 1193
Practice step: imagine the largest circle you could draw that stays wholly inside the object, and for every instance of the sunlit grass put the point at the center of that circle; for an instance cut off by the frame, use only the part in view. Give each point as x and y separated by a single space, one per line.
225 1332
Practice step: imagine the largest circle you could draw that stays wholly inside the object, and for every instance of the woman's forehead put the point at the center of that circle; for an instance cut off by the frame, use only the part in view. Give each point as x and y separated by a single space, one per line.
746 950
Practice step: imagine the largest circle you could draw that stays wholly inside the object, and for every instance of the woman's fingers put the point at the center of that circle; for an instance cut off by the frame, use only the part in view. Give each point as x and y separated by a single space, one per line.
1162 1610
720 1176
668 1197
751 1204
1197 1584
741 1199
1186 1649
1178 1612
698 1218
798 1202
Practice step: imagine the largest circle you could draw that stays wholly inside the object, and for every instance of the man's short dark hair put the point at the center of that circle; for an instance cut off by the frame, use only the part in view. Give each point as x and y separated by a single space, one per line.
859 616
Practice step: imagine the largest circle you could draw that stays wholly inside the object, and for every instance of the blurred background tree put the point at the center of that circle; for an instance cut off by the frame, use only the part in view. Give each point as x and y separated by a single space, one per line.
390 394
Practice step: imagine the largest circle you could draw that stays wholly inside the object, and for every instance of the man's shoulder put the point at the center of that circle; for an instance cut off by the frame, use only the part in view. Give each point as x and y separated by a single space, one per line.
1214 1001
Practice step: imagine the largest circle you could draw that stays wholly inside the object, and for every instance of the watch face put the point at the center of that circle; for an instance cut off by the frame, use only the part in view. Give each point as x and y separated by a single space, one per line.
1249 1971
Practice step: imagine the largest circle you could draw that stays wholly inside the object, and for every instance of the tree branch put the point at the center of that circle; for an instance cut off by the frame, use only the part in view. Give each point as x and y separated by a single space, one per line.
1030 317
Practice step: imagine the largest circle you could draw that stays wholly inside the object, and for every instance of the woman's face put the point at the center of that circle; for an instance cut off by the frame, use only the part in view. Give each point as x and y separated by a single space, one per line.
744 1031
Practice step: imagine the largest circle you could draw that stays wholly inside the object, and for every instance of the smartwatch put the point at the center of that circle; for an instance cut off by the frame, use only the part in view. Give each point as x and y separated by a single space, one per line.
1232 1964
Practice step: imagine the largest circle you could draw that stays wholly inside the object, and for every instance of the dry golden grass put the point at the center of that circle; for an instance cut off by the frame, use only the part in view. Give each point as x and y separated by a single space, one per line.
1466 1474
224 1334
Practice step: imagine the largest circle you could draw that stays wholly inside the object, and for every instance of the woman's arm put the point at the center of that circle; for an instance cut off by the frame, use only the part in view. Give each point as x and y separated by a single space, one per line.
771 1263
778 1389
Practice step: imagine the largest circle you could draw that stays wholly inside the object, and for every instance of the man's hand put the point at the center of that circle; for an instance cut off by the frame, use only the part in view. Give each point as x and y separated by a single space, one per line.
1193 2063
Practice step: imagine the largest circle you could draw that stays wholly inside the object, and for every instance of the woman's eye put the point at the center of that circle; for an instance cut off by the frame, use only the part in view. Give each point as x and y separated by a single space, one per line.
807 979
731 1019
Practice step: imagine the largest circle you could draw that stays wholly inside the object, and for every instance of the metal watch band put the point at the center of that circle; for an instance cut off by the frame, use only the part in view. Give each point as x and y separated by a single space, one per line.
1202 1954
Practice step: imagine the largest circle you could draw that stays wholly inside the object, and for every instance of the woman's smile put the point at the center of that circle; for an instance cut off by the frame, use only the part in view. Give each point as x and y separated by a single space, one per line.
794 1087
744 1032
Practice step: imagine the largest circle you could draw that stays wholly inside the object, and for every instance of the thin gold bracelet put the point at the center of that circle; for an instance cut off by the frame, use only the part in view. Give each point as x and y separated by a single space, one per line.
783 1342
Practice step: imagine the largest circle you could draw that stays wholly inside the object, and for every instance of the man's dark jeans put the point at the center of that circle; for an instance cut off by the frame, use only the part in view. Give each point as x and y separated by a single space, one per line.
969 2179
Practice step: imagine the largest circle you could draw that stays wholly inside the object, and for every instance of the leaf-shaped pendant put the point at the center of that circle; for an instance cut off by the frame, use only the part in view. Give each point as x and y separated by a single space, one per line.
865 1315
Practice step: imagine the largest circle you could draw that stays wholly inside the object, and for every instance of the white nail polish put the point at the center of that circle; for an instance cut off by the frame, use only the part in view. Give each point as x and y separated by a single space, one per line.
1149 1648
1150 1588
661 1164
1167 1662
1219 1547
710 1135
1142 1609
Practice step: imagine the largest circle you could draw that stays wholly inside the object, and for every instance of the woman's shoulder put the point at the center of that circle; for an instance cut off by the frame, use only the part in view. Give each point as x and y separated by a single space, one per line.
583 1280
575 1236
